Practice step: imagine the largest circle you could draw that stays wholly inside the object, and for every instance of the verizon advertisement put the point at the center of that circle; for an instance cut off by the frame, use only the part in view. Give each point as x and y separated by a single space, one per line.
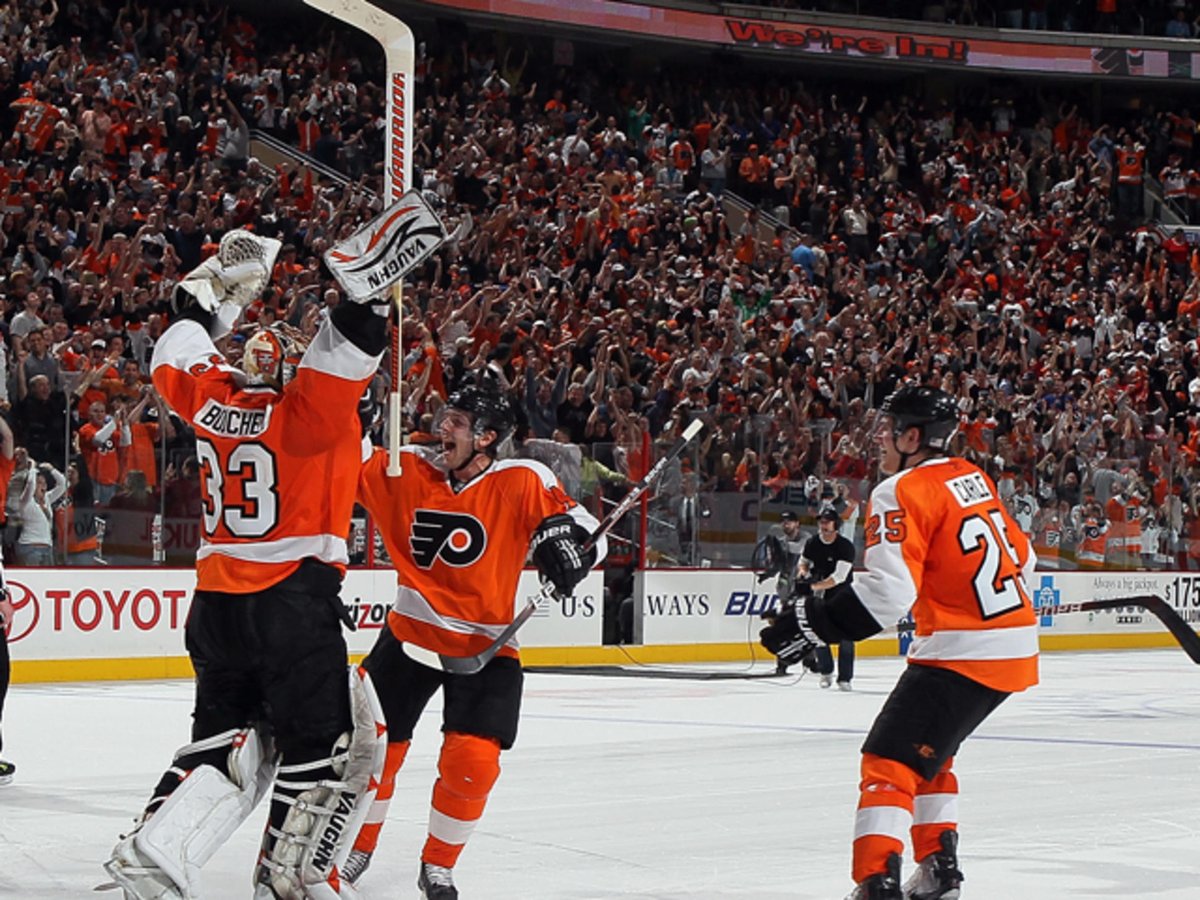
573 621
114 614
707 606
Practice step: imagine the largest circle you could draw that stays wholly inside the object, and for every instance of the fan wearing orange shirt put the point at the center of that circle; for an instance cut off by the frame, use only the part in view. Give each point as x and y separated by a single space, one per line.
938 542
279 460
458 524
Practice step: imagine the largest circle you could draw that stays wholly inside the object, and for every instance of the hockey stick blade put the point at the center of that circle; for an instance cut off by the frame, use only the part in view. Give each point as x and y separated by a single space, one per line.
1153 604
469 665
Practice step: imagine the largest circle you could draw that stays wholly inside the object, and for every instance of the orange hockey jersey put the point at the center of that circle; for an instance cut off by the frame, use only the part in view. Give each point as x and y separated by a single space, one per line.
939 540
458 554
278 471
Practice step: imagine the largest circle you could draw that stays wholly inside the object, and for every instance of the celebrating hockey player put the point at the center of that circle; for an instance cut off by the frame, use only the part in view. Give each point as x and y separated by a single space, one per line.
264 630
939 541
458 524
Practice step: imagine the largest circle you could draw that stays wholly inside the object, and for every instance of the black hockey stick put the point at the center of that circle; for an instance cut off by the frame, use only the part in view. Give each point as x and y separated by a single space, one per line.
1155 605
469 665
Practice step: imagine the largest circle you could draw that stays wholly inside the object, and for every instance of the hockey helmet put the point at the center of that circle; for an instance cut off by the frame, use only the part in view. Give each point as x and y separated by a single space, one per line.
262 359
930 409
489 409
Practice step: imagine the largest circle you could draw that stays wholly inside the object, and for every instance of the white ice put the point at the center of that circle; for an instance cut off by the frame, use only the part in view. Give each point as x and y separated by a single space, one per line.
1087 786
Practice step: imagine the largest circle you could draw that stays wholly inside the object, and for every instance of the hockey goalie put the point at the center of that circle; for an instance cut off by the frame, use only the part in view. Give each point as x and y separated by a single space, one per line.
273 712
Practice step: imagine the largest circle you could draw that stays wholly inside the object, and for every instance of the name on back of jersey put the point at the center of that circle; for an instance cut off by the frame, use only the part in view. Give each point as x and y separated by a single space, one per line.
232 421
970 489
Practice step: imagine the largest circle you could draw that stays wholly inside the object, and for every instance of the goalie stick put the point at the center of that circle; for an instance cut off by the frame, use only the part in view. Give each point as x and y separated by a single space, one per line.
469 665
396 38
1155 605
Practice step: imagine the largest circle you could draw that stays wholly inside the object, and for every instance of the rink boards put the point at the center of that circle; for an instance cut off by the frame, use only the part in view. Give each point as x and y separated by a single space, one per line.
92 624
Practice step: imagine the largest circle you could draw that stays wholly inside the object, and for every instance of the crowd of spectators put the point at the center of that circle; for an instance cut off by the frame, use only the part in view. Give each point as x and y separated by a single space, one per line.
1163 18
595 271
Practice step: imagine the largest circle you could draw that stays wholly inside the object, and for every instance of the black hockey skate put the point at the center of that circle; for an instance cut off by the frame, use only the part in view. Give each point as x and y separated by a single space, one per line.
937 876
884 886
437 882
7 771
355 865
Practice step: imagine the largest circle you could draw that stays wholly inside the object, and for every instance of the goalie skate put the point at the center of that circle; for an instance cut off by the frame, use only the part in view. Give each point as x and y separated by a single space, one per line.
137 876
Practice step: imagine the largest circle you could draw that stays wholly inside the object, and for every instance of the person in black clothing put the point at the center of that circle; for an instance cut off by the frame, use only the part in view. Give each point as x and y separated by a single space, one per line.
573 412
828 561
783 559
41 421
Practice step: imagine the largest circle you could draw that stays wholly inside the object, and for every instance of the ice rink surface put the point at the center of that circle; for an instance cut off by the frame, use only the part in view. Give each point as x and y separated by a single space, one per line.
1087 786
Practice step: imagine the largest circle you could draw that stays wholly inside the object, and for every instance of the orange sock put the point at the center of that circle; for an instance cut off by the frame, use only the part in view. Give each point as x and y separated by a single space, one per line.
935 811
885 814
368 835
467 769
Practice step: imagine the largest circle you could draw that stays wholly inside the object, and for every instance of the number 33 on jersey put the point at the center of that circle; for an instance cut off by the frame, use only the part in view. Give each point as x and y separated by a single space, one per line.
278 472
939 540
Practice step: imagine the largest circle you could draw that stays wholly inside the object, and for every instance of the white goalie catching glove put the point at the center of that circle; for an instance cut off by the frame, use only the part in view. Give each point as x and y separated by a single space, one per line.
236 274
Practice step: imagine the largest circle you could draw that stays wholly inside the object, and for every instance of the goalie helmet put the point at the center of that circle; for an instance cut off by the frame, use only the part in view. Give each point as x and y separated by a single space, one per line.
489 409
930 409
263 359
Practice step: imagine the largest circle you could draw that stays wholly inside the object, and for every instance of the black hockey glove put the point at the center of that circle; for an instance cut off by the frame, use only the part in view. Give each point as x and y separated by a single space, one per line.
557 549
789 637
785 606
802 589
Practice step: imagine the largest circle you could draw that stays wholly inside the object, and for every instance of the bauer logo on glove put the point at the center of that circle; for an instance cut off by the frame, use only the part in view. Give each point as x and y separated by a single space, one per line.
558 552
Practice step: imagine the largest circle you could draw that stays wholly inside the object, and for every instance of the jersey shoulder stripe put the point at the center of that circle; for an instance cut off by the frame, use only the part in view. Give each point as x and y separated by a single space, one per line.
185 344
541 470
333 354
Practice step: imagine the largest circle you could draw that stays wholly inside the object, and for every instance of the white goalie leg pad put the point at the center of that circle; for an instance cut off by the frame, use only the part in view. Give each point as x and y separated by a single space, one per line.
206 808
319 830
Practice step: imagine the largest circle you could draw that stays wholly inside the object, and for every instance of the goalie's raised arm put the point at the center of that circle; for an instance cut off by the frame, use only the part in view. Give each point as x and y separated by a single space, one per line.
227 281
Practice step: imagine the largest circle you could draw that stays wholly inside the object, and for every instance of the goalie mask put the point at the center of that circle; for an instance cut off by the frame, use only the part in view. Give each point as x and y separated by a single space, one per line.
263 359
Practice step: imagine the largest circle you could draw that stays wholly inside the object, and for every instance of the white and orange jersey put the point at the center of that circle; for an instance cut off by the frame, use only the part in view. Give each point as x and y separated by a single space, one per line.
1092 542
1048 543
939 541
278 471
458 553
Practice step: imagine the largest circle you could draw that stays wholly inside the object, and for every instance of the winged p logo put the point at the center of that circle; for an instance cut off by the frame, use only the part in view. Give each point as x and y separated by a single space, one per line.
456 538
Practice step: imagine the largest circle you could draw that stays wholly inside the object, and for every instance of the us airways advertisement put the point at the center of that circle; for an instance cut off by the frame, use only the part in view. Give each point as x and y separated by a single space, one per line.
110 622
727 606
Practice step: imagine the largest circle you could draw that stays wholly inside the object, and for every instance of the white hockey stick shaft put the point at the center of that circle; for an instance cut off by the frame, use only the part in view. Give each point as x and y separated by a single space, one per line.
400 60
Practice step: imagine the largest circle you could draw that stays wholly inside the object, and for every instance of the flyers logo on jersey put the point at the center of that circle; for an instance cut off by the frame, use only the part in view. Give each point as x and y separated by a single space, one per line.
457 539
